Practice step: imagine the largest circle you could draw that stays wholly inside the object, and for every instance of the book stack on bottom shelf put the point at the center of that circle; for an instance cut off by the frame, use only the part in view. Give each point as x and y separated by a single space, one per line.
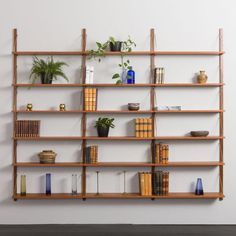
161 153
160 183
143 127
91 154
156 183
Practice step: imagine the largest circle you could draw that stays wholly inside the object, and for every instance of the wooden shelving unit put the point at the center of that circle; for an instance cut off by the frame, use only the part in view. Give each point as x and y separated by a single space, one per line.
152 53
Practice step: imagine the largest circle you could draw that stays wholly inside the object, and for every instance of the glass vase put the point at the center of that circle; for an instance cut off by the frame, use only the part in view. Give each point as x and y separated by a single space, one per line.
199 187
74 184
48 184
23 185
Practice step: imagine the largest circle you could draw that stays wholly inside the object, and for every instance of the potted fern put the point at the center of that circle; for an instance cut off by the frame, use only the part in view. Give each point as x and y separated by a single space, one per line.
47 70
103 124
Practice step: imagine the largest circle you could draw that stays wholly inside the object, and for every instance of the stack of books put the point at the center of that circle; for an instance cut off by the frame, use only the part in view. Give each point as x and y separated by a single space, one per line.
143 127
161 153
145 183
91 154
27 128
159 73
90 99
160 183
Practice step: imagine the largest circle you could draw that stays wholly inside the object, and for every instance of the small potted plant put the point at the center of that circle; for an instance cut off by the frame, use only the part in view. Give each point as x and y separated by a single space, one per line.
103 124
47 70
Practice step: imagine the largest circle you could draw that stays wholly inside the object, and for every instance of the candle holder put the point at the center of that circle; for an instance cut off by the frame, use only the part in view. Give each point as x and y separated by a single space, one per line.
97 181
124 172
62 107
74 184
29 107
23 185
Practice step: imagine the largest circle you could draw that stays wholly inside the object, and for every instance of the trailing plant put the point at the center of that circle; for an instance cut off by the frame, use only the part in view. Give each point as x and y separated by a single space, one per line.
102 47
104 122
47 70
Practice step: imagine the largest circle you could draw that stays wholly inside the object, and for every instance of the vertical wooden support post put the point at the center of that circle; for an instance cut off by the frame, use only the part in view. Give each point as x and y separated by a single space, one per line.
152 93
221 107
83 69
14 50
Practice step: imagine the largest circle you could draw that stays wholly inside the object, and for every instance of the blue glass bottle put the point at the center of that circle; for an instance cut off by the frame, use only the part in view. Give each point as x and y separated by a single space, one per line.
48 184
199 187
130 76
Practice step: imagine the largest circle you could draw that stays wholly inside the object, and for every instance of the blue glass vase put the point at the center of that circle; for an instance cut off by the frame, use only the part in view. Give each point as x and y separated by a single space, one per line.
199 187
130 76
48 184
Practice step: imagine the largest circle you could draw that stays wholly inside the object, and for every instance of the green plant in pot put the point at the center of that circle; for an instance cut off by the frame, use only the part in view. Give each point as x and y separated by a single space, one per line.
113 45
47 70
103 124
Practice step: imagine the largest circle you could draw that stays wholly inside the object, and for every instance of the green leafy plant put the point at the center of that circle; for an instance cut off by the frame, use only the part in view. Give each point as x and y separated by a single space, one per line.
102 47
47 70
104 122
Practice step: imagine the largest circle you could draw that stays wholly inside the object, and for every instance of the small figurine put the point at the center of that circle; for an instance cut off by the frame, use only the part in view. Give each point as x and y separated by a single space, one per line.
62 107
29 107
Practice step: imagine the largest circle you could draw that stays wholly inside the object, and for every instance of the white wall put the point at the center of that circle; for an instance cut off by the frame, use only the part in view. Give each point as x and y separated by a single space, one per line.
180 25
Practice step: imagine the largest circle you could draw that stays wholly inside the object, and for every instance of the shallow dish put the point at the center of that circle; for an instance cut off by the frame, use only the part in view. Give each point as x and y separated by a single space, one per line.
201 133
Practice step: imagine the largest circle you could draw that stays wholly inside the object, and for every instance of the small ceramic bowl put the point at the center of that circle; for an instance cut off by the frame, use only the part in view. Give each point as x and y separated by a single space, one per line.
133 106
200 133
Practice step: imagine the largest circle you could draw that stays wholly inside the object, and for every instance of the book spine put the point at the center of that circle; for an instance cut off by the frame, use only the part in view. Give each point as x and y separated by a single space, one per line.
141 128
167 154
161 183
86 99
141 183
149 184
149 127
137 127
157 153
145 128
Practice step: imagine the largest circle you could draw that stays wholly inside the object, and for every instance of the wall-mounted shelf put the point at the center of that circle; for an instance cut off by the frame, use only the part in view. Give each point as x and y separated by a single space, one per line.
122 164
152 53
210 195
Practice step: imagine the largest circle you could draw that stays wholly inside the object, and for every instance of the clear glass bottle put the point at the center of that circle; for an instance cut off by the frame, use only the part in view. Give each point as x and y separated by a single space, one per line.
74 184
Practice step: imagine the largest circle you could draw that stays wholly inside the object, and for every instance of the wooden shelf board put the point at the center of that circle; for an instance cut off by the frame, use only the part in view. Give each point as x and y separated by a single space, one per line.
169 196
180 195
108 53
121 164
89 112
44 196
116 138
122 85
47 138
118 111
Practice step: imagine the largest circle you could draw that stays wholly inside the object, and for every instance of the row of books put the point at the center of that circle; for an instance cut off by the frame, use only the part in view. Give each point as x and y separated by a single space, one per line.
143 127
153 183
90 99
160 183
27 128
159 73
161 153
91 154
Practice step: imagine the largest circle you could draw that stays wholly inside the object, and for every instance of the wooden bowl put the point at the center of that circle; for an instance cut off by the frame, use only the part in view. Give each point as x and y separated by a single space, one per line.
200 133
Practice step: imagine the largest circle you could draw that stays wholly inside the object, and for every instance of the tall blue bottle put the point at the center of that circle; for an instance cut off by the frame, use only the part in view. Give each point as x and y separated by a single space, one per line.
48 184
199 187
131 76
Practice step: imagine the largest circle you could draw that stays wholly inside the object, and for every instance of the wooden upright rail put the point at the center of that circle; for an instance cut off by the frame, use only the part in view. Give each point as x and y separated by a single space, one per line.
14 49
221 106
